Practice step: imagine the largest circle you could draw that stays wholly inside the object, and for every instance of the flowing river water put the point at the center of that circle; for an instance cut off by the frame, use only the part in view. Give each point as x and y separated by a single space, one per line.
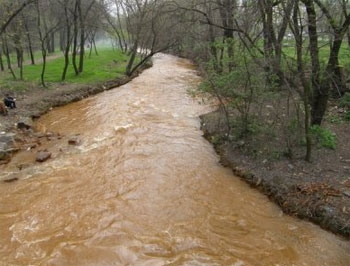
145 188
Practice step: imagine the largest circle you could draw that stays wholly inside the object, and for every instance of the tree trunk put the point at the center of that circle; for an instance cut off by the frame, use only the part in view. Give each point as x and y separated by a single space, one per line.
333 69
82 38
20 62
82 50
266 11
319 91
95 47
321 96
8 58
1 63
212 44
305 84
30 48
42 43
62 37
75 40
132 59
42 76
226 13
67 44
52 43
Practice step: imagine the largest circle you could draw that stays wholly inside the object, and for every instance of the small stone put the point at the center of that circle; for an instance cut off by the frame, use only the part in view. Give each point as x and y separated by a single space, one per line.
39 135
30 146
241 143
325 211
74 141
49 135
22 125
10 180
42 156
347 193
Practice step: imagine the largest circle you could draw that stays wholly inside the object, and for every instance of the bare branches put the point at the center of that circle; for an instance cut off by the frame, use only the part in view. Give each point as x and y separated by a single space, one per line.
14 13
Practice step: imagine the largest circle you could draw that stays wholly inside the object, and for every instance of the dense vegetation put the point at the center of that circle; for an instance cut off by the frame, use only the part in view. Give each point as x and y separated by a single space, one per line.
274 66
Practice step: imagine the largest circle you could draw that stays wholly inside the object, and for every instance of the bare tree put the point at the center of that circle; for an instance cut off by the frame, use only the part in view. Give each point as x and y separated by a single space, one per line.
323 80
16 8
150 27
44 34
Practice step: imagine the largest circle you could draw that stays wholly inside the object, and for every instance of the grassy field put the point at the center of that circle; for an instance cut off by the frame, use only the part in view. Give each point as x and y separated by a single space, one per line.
344 54
108 64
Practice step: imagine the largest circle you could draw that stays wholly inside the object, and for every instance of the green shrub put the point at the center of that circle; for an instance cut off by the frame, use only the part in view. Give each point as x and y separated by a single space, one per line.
345 101
347 115
323 137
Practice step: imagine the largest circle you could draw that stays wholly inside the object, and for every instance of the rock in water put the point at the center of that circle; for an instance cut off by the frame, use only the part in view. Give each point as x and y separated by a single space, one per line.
42 156
74 141
7 146
25 123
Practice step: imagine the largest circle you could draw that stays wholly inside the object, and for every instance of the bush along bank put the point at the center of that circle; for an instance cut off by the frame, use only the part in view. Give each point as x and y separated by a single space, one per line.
305 190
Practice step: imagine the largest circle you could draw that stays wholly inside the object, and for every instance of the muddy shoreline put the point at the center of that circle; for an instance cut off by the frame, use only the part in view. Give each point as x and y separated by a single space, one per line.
16 128
307 191
36 102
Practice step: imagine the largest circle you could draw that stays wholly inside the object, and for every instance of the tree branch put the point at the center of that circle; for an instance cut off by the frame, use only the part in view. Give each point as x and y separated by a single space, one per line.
14 14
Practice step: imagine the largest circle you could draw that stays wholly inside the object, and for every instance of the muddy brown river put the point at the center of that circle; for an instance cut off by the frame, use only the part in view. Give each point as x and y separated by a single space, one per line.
145 188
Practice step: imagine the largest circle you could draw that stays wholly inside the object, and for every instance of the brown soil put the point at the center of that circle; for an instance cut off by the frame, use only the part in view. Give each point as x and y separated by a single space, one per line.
318 191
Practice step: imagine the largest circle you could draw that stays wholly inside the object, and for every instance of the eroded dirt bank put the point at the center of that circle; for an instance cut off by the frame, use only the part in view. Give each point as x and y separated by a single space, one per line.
317 191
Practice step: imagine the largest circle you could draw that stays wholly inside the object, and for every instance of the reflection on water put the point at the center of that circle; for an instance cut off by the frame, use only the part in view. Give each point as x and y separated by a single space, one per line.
144 188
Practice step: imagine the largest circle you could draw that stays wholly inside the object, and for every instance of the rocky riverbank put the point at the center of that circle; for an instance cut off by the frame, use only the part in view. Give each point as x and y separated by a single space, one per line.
16 127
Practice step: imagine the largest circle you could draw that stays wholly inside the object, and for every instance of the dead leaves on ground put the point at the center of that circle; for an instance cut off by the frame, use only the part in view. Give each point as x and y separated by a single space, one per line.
321 188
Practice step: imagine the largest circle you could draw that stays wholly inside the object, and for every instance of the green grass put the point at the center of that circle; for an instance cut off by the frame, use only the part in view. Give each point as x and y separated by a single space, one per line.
108 64
344 53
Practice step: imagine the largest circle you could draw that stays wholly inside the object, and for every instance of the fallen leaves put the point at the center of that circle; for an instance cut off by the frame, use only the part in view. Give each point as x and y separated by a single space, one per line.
322 188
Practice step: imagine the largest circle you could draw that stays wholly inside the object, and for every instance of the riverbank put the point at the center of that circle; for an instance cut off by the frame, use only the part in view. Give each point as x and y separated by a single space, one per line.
317 191
35 102
16 130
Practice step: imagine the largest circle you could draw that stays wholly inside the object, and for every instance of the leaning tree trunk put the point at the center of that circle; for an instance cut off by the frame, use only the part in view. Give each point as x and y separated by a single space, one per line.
8 58
43 69
66 63
67 44
66 54
321 96
30 45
